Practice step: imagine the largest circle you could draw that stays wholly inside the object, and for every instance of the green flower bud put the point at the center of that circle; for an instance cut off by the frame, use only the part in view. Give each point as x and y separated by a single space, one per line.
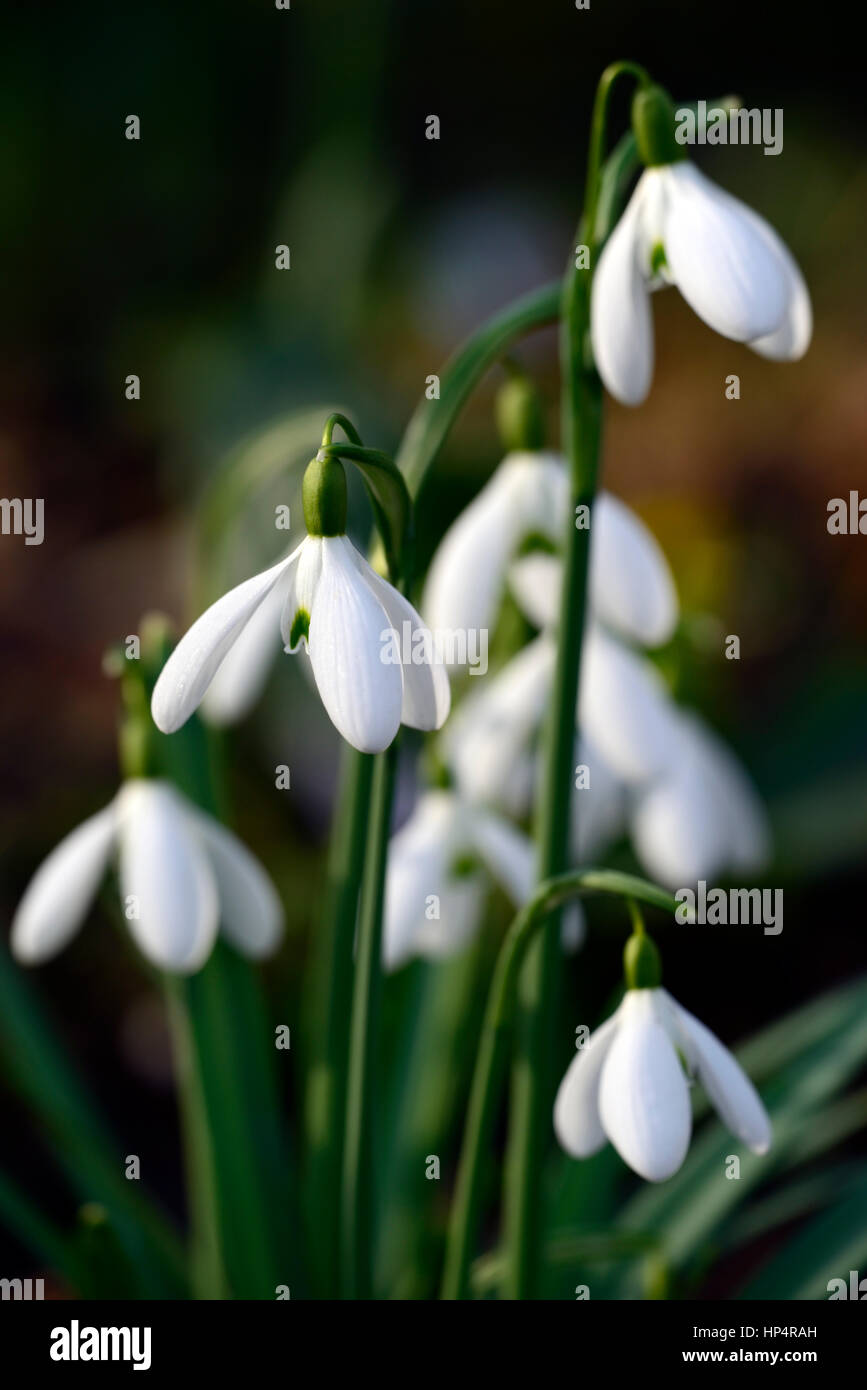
519 415
654 122
642 965
323 494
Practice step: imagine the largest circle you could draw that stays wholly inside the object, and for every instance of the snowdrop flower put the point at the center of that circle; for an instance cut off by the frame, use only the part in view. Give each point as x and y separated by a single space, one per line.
702 817
440 867
627 1085
181 875
525 501
349 620
680 229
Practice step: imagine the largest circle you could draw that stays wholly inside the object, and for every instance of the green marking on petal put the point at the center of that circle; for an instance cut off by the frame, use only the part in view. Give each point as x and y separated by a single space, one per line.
657 258
536 542
464 866
300 628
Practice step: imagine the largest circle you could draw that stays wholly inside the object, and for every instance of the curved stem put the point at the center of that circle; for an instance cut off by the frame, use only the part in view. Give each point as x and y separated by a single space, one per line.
492 1055
581 431
358 1168
345 424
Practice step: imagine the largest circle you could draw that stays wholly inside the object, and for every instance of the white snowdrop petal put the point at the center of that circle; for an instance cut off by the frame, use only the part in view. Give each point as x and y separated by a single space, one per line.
678 830
577 1123
349 629
536 583
416 873
459 912
240 678
625 709
620 320
573 928
62 890
251 914
508 854
490 733
598 812
729 1089
169 892
724 268
643 1095
527 493
426 690
792 338
197 657
631 587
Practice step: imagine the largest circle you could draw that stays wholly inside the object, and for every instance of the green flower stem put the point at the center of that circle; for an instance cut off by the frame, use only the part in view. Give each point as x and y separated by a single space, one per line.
581 437
493 1050
207 1267
326 1098
358 1166
345 424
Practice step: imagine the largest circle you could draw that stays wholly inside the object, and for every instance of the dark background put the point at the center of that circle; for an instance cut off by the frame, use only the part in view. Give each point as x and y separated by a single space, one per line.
262 127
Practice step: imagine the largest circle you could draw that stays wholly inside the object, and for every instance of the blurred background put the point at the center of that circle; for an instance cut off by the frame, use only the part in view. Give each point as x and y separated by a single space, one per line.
156 257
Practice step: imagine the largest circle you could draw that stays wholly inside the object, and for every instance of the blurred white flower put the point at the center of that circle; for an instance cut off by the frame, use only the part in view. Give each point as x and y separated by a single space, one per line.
181 875
527 500
728 263
627 1085
341 611
440 867
702 817
654 769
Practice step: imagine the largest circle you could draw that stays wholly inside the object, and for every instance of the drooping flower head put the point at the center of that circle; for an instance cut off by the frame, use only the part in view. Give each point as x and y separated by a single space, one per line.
629 1083
336 608
181 875
680 229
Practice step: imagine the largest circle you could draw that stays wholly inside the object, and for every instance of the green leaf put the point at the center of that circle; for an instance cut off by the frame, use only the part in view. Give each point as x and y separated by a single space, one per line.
432 420
827 1248
36 1066
40 1235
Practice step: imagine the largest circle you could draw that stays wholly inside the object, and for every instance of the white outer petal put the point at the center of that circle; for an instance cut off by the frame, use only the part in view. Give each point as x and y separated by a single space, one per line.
643 1095
426 691
361 693
631 586
625 709
163 866
528 492
251 914
729 1089
704 816
620 321
62 890
725 269
598 815
491 732
576 1109
792 338
241 676
420 856
197 657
